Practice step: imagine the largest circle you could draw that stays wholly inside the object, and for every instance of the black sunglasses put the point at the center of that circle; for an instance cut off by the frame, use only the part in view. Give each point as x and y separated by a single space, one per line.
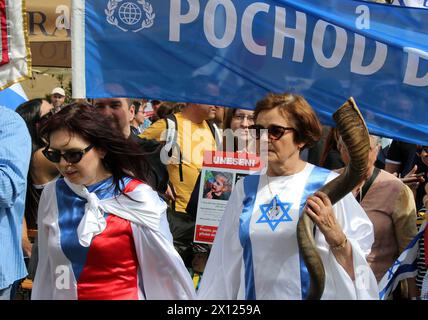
274 132
69 156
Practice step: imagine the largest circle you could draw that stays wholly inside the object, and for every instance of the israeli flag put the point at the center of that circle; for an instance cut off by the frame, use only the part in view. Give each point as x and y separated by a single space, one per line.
404 267
13 96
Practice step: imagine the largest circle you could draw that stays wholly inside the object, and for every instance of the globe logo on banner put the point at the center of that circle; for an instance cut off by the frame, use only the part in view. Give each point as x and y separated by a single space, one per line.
128 16
129 13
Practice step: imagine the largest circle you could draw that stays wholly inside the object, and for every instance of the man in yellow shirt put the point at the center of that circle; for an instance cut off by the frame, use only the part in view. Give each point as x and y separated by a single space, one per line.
184 162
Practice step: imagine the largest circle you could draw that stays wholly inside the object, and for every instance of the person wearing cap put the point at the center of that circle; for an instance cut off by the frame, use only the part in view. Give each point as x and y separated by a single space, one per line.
57 97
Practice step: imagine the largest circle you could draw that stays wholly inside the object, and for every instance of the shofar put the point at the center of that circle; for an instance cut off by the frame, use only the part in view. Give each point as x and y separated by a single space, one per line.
354 133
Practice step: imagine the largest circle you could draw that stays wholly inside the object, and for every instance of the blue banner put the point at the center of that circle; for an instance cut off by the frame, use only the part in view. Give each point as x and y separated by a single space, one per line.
232 52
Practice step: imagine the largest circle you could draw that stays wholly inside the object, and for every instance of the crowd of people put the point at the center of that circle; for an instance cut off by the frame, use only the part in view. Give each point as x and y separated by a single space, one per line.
98 200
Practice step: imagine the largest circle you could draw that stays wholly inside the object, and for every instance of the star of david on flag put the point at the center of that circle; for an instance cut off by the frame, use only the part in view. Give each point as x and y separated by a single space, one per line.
272 216
406 266
396 264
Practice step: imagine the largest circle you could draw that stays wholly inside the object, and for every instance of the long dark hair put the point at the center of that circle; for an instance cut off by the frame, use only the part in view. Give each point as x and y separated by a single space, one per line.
30 112
123 156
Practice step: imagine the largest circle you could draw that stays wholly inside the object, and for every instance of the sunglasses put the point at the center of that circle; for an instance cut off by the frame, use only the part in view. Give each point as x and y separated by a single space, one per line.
274 132
69 156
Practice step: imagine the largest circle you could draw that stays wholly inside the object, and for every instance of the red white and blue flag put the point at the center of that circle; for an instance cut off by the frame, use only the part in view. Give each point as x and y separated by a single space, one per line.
15 56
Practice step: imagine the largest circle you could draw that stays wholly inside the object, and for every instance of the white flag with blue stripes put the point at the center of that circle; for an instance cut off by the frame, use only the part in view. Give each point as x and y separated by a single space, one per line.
13 96
404 267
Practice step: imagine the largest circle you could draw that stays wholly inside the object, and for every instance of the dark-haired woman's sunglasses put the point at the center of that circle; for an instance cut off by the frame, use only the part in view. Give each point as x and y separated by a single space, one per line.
71 156
274 132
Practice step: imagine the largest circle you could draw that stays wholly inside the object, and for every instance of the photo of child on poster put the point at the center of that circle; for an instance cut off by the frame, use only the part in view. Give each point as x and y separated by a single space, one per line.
218 185
220 172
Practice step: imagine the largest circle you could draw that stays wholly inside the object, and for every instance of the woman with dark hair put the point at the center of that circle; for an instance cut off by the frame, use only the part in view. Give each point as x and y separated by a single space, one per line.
103 231
41 170
255 254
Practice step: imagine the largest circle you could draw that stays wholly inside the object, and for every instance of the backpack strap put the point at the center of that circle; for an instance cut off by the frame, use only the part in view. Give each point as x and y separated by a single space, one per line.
171 134
215 130
360 196
171 141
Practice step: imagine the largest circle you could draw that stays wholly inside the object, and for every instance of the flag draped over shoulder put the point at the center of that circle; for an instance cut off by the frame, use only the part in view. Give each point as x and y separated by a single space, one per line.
404 267
13 96
231 53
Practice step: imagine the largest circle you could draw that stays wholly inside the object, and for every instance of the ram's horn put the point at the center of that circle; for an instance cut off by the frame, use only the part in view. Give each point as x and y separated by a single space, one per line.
354 133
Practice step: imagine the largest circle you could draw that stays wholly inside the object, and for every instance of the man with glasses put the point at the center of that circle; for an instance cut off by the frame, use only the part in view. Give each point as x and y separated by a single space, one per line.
15 153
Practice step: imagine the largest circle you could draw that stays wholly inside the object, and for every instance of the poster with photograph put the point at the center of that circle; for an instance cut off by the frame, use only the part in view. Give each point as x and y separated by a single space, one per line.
220 172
